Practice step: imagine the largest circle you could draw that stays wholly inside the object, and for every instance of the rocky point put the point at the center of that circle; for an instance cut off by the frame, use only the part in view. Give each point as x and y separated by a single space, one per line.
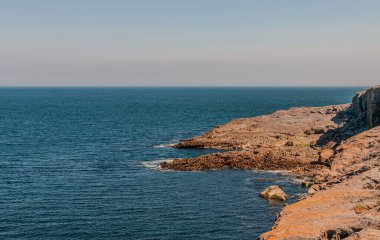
337 148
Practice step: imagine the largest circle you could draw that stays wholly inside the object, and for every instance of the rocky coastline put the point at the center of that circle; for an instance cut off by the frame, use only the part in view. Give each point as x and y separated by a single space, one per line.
335 149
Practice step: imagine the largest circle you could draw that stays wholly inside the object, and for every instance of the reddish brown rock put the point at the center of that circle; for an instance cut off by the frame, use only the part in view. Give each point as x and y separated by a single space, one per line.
265 159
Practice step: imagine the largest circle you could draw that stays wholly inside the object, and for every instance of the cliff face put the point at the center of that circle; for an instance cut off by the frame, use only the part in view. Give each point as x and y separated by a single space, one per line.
366 104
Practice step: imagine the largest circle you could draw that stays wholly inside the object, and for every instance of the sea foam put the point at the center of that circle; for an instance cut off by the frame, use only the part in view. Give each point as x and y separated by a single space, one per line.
156 163
165 145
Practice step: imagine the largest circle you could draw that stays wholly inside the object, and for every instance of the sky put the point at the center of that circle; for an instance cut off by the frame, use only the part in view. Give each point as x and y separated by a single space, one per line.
189 43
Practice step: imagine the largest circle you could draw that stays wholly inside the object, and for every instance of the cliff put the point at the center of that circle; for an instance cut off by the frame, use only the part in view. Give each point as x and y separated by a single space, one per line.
336 149
366 104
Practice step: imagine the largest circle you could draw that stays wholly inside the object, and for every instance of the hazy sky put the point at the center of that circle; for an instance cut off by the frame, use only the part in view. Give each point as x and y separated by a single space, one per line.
190 42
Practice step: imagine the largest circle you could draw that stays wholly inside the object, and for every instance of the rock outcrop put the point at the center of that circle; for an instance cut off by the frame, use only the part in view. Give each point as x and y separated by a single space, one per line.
270 142
366 104
336 148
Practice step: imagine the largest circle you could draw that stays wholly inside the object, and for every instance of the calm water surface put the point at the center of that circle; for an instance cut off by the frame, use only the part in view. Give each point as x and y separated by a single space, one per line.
73 162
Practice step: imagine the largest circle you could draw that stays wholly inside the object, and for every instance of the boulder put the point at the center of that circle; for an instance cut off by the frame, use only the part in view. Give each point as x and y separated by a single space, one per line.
318 130
274 193
325 155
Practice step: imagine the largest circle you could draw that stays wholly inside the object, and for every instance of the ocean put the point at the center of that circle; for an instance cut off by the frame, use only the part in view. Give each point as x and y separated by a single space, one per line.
79 163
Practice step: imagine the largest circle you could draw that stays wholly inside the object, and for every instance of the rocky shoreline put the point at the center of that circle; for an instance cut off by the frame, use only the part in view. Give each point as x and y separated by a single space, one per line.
336 149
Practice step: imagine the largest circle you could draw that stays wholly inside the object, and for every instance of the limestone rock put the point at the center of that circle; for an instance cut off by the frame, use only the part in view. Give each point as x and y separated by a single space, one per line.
274 193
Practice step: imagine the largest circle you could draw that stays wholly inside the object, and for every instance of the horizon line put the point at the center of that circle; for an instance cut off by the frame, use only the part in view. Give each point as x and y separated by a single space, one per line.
181 86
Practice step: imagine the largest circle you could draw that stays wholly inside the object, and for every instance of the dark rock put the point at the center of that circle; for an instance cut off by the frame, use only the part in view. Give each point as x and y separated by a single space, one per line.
307 184
308 132
289 144
164 165
318 130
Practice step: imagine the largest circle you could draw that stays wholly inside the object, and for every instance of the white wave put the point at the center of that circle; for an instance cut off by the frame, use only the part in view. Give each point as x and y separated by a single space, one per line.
165 145
156 163
281 172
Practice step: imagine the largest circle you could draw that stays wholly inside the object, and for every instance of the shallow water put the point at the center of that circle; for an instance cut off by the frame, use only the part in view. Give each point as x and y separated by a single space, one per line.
77 163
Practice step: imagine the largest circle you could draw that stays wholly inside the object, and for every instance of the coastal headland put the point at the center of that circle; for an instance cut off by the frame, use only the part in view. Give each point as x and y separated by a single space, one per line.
334 150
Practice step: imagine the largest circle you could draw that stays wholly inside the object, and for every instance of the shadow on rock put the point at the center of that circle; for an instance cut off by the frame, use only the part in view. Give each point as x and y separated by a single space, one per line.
349 124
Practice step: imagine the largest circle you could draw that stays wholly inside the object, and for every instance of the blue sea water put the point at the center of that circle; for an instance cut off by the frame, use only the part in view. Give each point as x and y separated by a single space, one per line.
74 162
